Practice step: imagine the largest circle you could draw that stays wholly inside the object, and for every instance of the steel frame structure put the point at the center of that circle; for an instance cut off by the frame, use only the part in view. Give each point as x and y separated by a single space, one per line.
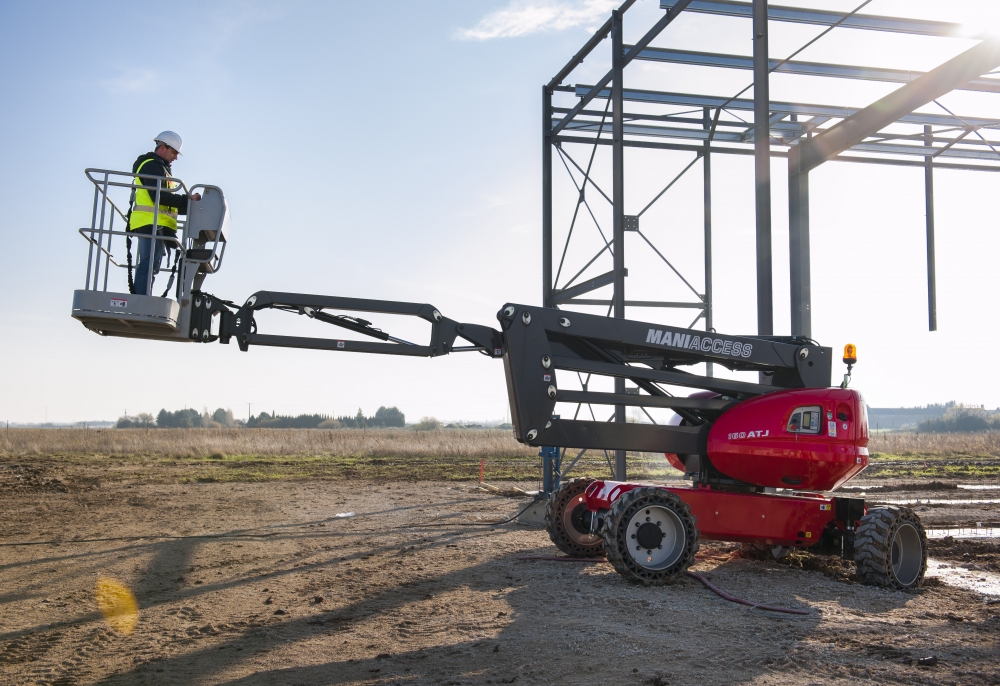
888 132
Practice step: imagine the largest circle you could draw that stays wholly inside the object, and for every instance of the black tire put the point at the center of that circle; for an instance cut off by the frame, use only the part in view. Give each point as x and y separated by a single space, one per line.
568 521
665 521
890 548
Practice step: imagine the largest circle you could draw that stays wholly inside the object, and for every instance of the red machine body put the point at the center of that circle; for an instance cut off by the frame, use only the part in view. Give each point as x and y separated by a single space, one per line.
789 520
761 442
809 439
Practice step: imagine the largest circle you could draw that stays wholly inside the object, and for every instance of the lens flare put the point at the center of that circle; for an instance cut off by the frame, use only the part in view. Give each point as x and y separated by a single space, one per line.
117 604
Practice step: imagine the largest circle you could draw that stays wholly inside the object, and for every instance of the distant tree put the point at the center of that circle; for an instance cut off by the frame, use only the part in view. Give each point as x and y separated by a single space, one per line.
223 417
181 419
427 424
330 423
143 420
389 416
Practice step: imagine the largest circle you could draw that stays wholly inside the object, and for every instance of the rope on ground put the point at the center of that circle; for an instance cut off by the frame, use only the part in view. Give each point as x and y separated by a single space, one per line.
734 599
503 521
699 577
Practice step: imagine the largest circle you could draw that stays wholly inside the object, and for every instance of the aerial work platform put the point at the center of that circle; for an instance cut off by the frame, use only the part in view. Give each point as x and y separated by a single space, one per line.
196 251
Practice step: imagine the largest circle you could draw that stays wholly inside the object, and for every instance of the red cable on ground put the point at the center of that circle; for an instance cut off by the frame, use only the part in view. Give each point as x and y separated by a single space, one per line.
734 599
699 577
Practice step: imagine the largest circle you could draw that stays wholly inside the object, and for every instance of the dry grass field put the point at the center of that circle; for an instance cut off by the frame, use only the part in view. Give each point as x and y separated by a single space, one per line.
447 454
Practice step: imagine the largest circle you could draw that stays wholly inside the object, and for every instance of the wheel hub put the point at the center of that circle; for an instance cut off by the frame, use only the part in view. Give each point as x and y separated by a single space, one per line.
649 535
576 521
906 554
655 537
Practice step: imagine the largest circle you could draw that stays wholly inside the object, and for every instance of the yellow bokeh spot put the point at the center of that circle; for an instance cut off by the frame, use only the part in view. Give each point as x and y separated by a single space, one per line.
117 604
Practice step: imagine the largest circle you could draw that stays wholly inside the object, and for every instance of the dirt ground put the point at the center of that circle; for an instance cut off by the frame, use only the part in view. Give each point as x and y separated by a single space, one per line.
263 583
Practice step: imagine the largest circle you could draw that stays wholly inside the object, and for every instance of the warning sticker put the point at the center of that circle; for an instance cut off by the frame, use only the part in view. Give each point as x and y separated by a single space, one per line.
119 303
831 428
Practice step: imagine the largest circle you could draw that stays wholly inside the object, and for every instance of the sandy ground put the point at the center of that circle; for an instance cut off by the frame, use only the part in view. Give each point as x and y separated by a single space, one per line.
264 584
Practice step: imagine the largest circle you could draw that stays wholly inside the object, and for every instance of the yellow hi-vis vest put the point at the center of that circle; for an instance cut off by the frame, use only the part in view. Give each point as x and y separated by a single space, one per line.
142 210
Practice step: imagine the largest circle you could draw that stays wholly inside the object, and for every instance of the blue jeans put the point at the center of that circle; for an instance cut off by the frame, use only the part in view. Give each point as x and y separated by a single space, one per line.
142 269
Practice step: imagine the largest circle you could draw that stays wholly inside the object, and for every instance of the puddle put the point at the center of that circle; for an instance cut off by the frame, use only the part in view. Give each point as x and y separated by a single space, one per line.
965 532
980 487
987 583
341 515
937 501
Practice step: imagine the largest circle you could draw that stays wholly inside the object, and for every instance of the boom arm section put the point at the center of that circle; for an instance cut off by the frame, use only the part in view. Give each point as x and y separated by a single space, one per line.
444 331
541 341
536 343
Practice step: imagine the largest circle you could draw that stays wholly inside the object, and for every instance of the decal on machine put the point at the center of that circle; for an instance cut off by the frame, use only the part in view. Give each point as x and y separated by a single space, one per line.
705 344
763 433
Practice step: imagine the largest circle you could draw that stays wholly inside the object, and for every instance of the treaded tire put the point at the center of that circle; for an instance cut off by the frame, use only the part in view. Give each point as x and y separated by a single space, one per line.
623 523
890 548
563 521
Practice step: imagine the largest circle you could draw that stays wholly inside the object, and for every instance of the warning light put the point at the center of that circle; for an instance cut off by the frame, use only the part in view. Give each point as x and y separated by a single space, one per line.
850 354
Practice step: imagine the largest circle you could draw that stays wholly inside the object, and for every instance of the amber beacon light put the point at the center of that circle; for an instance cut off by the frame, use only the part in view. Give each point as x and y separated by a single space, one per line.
850 354
850 359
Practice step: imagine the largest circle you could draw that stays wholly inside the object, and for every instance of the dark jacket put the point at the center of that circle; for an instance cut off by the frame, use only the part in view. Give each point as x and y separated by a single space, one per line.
159 167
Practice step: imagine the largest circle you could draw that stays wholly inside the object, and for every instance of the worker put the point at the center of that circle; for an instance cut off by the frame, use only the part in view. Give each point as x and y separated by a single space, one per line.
153 164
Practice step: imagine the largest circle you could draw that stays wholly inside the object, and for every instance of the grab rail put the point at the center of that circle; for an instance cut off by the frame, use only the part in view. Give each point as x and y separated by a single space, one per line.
105 210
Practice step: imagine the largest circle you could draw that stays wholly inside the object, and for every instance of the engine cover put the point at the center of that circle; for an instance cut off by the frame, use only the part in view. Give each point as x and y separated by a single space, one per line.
810 439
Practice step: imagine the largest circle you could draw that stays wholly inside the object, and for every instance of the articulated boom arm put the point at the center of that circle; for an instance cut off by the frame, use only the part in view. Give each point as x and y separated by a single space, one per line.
536 342
444 331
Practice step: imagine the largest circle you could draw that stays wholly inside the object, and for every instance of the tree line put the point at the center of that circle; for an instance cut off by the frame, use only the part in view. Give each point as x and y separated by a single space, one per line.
384 417
962 419
188 418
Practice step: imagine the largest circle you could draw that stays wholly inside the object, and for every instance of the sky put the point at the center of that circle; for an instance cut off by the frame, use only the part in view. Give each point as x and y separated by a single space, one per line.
392 150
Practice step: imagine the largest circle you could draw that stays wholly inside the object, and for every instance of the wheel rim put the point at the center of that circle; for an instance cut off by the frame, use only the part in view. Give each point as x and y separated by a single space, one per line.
907 554
576 525
655 537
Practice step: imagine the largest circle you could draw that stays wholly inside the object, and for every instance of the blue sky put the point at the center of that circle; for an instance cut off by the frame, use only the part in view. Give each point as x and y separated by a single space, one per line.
392 150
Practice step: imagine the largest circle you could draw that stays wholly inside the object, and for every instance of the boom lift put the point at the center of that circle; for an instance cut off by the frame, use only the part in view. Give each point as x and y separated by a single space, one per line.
763 458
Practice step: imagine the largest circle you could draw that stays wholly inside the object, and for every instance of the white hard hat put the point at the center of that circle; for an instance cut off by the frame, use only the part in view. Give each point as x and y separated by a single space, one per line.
170 138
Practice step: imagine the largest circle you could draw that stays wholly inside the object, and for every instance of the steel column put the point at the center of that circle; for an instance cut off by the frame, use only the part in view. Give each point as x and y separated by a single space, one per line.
798 245
762 169
929 213
707 213
547 197
618 199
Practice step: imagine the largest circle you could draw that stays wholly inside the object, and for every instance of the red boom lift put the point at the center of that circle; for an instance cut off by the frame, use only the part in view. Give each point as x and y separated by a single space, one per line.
764 458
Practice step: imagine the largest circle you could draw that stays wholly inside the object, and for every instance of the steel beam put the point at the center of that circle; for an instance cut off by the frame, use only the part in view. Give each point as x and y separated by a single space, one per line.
707 216
587 286
762 169
802 109
547 197
853 130
637 303
931 261
587 48
841 71
655 145
798 15
791 130
643 42
798 246
618 197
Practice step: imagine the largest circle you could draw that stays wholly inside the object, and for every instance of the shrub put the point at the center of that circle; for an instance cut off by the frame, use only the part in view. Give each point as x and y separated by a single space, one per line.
427 424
